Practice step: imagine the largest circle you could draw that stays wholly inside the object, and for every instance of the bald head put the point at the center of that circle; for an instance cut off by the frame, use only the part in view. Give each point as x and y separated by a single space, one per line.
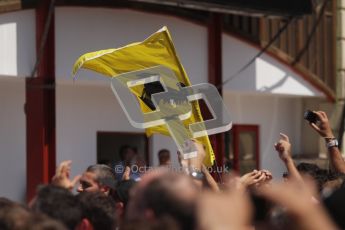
164 193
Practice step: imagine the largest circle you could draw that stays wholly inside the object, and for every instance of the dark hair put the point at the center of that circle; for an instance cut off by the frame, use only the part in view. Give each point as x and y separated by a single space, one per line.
321 176
123 189
163 155
58 203
99 209
4 202
123 150
104 175
164 202
334 205
13 217
309 168
166 223
43 222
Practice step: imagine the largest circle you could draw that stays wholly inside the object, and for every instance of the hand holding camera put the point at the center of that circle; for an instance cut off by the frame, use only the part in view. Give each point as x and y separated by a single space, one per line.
318 120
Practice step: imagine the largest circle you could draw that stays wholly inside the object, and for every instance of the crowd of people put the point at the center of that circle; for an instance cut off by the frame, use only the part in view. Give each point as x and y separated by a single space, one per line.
307 197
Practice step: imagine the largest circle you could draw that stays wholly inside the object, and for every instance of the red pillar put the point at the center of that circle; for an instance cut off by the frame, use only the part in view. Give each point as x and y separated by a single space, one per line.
40 108
215 74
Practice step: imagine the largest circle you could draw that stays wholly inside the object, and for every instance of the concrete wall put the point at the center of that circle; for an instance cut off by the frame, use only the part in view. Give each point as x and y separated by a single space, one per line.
12 139
273 115
265 76
96 104
82 30
88 105
159 142
270 94
17 43
81 111
17 58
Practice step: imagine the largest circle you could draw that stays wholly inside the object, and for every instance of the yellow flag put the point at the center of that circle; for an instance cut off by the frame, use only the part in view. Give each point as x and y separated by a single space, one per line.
156 50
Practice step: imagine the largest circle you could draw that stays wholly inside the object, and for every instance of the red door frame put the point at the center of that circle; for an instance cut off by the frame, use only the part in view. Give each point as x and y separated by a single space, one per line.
40 108
236 130
214 30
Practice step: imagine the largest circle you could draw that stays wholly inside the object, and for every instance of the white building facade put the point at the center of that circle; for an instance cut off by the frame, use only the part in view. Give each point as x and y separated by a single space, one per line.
268 94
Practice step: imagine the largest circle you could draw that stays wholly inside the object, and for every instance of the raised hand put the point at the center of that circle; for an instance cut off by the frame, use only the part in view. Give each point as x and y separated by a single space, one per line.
62 176
322 126
194 163
127 173
256 178
283 147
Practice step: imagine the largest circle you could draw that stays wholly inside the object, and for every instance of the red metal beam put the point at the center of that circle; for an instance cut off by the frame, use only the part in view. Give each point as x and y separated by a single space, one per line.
40 108
215 74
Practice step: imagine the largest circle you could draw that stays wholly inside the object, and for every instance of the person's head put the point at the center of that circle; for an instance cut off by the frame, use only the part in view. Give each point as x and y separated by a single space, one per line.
127 153
308 168
121 197
164 157
163 194
43 222
98 209
13 217
123 190
334 205
323 177
332 185
166 223
97 178
4 202
59 204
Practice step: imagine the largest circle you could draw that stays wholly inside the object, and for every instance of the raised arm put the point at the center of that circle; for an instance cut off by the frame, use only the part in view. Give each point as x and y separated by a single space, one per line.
62 176
194 166
323 128
283 147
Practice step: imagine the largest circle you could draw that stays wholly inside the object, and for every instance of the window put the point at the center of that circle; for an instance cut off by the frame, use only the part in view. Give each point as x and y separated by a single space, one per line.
109 144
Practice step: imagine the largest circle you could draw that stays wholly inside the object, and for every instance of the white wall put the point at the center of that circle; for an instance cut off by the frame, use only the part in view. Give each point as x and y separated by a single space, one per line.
17 43
273 115
83 108
17 58
82 30
12 139
88 105
159 142
81 111
265 76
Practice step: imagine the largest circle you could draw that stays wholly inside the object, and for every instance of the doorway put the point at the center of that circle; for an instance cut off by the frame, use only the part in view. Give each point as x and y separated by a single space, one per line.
242 148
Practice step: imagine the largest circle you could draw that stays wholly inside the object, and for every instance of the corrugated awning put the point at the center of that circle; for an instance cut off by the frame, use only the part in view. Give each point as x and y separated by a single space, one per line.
249 7
272 8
